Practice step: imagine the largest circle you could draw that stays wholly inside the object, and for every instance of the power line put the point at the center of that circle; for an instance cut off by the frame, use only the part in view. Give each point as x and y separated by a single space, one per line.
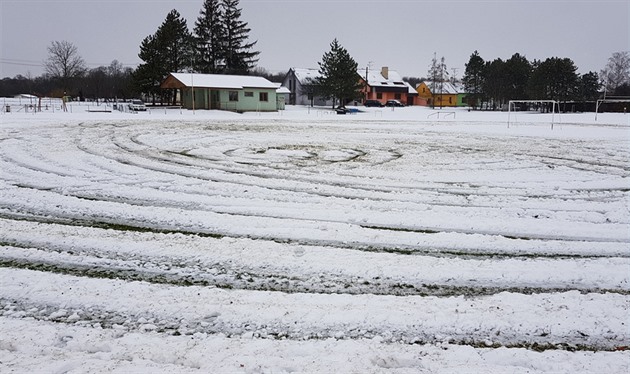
9 61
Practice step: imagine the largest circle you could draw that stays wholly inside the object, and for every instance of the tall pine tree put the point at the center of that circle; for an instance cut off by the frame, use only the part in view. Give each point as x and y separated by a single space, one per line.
588 87
166 51
517 70
240 58
221 39
174 40
148 76
554 79
494 84
338 78
209 38
473 79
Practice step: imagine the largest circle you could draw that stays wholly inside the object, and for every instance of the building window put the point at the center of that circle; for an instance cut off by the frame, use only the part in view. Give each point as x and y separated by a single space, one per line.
249 94
379 95
263 96
397 96
233 95
450 100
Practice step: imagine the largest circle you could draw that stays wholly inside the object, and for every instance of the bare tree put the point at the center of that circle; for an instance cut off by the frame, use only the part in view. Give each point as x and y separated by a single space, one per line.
438 75
617 71
64 62
115 69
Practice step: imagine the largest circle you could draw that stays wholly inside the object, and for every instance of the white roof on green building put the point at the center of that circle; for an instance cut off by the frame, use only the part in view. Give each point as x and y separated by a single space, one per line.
220 81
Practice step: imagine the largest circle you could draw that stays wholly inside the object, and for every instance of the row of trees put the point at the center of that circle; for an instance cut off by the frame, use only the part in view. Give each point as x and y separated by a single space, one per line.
68 74
491 83
218 45
495 82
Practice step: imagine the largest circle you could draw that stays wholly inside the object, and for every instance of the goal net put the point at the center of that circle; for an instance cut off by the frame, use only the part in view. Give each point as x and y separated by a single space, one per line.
538 105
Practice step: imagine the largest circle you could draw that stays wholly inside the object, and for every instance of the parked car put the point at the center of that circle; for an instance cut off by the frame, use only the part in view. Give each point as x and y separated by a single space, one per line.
373 103
341 109
137 106
393 103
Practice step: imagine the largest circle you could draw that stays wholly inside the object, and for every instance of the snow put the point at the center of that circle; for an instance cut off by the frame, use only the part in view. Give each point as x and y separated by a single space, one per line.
305 75
223 81
386 241
446 88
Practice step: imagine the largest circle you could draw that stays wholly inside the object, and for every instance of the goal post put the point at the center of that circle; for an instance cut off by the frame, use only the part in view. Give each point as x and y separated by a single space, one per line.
554 104
601 101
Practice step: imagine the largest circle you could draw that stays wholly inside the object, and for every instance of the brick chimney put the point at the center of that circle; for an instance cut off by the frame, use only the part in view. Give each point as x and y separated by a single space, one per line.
385 72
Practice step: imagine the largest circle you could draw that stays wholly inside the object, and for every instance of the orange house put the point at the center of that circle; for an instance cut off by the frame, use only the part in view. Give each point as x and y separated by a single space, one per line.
386 85
443 94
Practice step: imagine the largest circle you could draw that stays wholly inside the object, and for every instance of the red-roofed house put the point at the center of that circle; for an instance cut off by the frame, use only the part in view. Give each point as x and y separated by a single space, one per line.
386 85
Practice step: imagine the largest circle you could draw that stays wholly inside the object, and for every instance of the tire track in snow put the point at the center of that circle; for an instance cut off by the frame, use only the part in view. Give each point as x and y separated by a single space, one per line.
421 228
146 322
479 322
220 165
291 268
400 249
87 286
224 278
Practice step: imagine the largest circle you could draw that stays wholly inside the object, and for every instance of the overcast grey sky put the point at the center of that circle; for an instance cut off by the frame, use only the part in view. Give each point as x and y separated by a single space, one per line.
400 34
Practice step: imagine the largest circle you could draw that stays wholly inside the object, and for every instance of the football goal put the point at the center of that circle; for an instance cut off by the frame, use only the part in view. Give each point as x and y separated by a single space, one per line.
601 101
539 104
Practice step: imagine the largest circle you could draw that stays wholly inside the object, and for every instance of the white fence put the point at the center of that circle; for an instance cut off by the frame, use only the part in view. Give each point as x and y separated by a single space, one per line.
30 104
49 104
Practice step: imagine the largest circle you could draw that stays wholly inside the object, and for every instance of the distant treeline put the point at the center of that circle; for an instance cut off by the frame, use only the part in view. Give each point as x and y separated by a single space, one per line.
105 82
491 84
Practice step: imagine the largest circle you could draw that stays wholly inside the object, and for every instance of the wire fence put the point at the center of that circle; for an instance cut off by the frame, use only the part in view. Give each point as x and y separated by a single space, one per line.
30 104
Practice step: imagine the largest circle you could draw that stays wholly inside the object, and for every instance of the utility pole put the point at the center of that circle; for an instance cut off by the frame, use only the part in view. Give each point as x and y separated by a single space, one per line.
442 71
192 83
367 86
433 79
454 79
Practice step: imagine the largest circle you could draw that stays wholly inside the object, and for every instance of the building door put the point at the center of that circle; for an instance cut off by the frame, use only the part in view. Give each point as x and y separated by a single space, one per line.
215 100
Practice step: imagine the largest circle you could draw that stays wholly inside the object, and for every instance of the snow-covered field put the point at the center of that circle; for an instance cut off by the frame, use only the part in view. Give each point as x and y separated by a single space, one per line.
388 241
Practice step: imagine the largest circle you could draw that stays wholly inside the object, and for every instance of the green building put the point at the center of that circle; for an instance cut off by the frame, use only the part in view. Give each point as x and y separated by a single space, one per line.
237 93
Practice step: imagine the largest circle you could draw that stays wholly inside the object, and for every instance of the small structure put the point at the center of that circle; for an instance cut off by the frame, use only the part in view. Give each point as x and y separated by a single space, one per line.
442 94
283 95
31 99
238 93
386 85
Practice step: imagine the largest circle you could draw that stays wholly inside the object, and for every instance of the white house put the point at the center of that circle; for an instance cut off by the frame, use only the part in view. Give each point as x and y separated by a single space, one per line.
302 83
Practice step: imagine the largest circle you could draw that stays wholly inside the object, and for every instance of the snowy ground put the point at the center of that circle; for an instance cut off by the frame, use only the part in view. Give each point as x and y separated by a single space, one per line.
397 241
